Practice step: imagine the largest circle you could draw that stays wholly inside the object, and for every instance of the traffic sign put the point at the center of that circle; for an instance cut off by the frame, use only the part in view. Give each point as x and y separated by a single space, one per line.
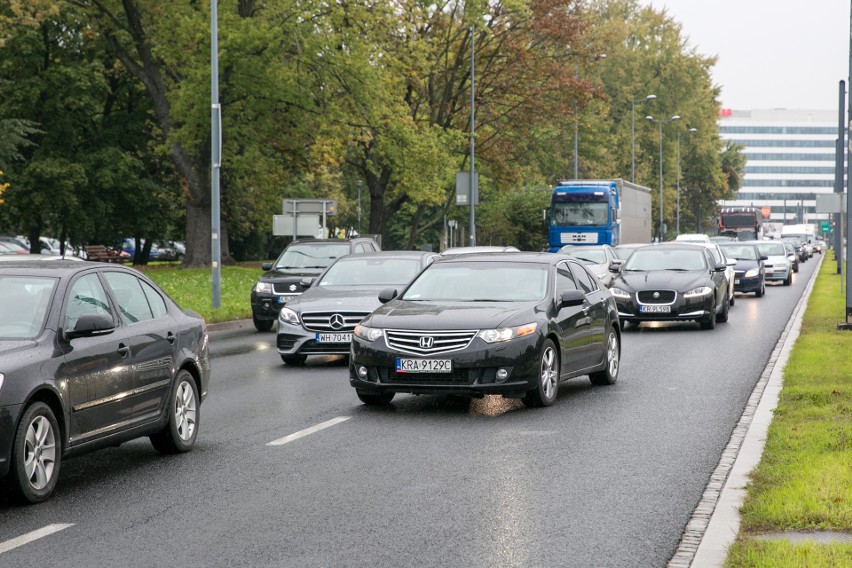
825 226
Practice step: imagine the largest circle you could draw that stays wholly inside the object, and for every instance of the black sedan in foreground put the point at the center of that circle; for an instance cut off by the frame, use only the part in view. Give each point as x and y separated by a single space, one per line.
91 355
513 324
672 281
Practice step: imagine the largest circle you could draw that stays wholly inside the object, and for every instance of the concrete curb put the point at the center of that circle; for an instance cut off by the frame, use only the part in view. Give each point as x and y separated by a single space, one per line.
715 523
230 325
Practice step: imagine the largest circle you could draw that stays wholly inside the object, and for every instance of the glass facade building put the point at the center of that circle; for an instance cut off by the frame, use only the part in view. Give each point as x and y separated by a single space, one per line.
790 159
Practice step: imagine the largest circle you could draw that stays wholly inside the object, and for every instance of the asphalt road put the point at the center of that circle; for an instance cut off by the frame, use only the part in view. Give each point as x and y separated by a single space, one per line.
608 476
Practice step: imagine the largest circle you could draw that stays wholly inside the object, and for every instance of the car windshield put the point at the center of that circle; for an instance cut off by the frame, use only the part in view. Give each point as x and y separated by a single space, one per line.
772 249
586 255
660 258
480 282
740 252
357 271
311 255
25 304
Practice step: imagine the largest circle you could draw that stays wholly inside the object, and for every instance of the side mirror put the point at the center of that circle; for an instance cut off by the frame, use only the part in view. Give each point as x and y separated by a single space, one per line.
387 295
306 282
89 325
571 298
731 262
720 267
615 265
764 257
266 266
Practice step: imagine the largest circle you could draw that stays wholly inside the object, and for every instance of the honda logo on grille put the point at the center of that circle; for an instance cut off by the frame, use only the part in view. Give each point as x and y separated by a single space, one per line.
336 321
426 342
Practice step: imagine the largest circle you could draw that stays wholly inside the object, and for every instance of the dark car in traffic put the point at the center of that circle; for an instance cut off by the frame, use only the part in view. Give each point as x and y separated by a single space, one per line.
510 324
672 282
291 273
92 355
321 320
749 271
599 259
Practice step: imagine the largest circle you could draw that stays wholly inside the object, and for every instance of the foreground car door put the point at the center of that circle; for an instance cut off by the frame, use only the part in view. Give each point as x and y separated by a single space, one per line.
572 323
595 311
97 370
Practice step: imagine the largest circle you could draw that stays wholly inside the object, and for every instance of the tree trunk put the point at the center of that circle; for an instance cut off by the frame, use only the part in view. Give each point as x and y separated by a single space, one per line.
198 227
414 229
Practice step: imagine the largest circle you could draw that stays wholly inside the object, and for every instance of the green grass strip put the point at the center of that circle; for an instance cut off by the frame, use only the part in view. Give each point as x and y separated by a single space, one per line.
804 479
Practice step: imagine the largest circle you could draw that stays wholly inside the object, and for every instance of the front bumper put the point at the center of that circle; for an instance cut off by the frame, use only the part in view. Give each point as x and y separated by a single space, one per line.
474 369
743 284
267 306
778 272
693 308
296 340
9 416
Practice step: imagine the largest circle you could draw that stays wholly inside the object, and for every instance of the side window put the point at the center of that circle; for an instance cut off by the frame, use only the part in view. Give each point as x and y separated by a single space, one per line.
157 303
564 279
86 296
132 304
583 279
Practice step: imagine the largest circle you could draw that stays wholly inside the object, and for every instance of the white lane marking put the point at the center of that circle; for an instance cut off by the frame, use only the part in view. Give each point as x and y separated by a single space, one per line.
31 536
311 430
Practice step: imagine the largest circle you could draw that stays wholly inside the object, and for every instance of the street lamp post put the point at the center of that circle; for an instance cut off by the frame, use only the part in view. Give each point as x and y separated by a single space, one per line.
595 57
633 134
677 217
660 122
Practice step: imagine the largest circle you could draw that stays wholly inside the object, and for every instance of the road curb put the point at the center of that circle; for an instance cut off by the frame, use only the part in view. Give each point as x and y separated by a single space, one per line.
714 524
230 325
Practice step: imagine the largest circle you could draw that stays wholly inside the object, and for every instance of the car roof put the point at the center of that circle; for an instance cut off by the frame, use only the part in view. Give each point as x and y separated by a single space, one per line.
390 254
60 267
511 256
479 249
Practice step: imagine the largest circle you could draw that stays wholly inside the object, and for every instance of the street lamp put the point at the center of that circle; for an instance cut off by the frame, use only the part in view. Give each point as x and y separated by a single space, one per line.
677 222
595 57
660 122
633 134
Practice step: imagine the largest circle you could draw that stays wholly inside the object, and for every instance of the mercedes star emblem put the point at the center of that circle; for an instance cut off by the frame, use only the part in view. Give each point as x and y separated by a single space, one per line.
336 321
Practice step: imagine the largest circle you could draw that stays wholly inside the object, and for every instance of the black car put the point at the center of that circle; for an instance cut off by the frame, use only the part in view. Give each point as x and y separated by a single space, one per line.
512 324
749 271
287 277
321 320
92 355
801 251
672 281
792 254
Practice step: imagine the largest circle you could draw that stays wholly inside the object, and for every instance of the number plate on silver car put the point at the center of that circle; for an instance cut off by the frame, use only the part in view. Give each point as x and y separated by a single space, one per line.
653 309
424 366
334 337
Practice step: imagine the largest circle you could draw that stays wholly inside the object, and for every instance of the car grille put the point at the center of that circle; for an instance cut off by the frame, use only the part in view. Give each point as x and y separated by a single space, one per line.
428 343
332 321
314 348
457 377
665 296
286 288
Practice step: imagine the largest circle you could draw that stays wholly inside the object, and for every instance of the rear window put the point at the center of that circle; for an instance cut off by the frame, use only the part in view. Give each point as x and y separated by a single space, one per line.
311 255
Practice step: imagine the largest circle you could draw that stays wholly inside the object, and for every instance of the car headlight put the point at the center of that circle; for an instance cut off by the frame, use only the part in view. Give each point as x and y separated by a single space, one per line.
506 333
286 315
700 291
752 273
263 287
791 257
367 333
1 381
619 293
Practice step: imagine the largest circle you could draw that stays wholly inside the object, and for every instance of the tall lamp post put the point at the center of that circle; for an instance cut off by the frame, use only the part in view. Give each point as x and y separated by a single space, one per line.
633 134
661 122
595 57
677 217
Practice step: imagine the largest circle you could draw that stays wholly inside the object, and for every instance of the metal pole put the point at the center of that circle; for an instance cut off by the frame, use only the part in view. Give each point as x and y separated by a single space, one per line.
359 206
677 185
472 197
662 235
215 155
576 125
838 161
633 141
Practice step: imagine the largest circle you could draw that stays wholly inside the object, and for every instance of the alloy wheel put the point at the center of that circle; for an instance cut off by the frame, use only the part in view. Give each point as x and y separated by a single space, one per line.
39 452
185 411
548 372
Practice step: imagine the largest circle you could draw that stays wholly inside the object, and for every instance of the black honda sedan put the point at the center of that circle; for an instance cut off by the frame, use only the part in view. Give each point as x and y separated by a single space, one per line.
91 355
513 324
672 281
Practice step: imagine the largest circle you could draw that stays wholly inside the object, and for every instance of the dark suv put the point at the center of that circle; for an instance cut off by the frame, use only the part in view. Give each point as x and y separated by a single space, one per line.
291 273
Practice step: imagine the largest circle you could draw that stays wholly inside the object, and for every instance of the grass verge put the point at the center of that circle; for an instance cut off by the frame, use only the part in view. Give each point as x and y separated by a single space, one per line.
192 289
804 479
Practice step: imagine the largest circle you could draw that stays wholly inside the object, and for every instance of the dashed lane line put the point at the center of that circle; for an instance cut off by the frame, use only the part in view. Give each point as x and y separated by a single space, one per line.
34 535
307 431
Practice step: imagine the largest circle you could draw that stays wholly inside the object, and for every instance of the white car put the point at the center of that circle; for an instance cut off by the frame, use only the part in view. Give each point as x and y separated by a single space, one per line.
777 265
719 256
693 238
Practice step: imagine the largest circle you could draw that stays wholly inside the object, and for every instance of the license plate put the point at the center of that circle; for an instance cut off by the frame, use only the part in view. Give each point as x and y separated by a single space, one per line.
655 309
424 366
334 337
736 281
286 298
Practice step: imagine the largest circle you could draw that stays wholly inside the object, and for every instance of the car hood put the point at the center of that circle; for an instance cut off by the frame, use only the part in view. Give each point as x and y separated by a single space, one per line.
10 348
661 280
421 315
775 259
746 265
342 298
286 275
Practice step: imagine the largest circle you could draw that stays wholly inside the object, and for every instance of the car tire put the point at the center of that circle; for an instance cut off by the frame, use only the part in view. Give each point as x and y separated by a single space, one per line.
262 325
184 409
723 316
609 374
36 454
375 398
760 291
789 279
294 360
547 387
710 321
733 299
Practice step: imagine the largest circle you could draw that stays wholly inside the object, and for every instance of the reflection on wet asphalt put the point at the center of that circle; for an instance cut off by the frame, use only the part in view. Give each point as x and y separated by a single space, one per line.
241 349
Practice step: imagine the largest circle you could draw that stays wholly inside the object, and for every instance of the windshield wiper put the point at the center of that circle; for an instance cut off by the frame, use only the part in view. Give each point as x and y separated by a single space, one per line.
589 260
677 269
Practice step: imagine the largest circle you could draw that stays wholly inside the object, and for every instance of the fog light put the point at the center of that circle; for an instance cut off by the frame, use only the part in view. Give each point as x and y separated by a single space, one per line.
362 372
502 374
265 305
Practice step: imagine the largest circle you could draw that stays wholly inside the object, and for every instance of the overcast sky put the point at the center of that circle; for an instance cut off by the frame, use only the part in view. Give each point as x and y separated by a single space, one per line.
771 53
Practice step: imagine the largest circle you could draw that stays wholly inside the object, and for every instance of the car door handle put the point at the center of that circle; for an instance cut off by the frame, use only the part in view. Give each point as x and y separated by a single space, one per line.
171 337
586 310
123 350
